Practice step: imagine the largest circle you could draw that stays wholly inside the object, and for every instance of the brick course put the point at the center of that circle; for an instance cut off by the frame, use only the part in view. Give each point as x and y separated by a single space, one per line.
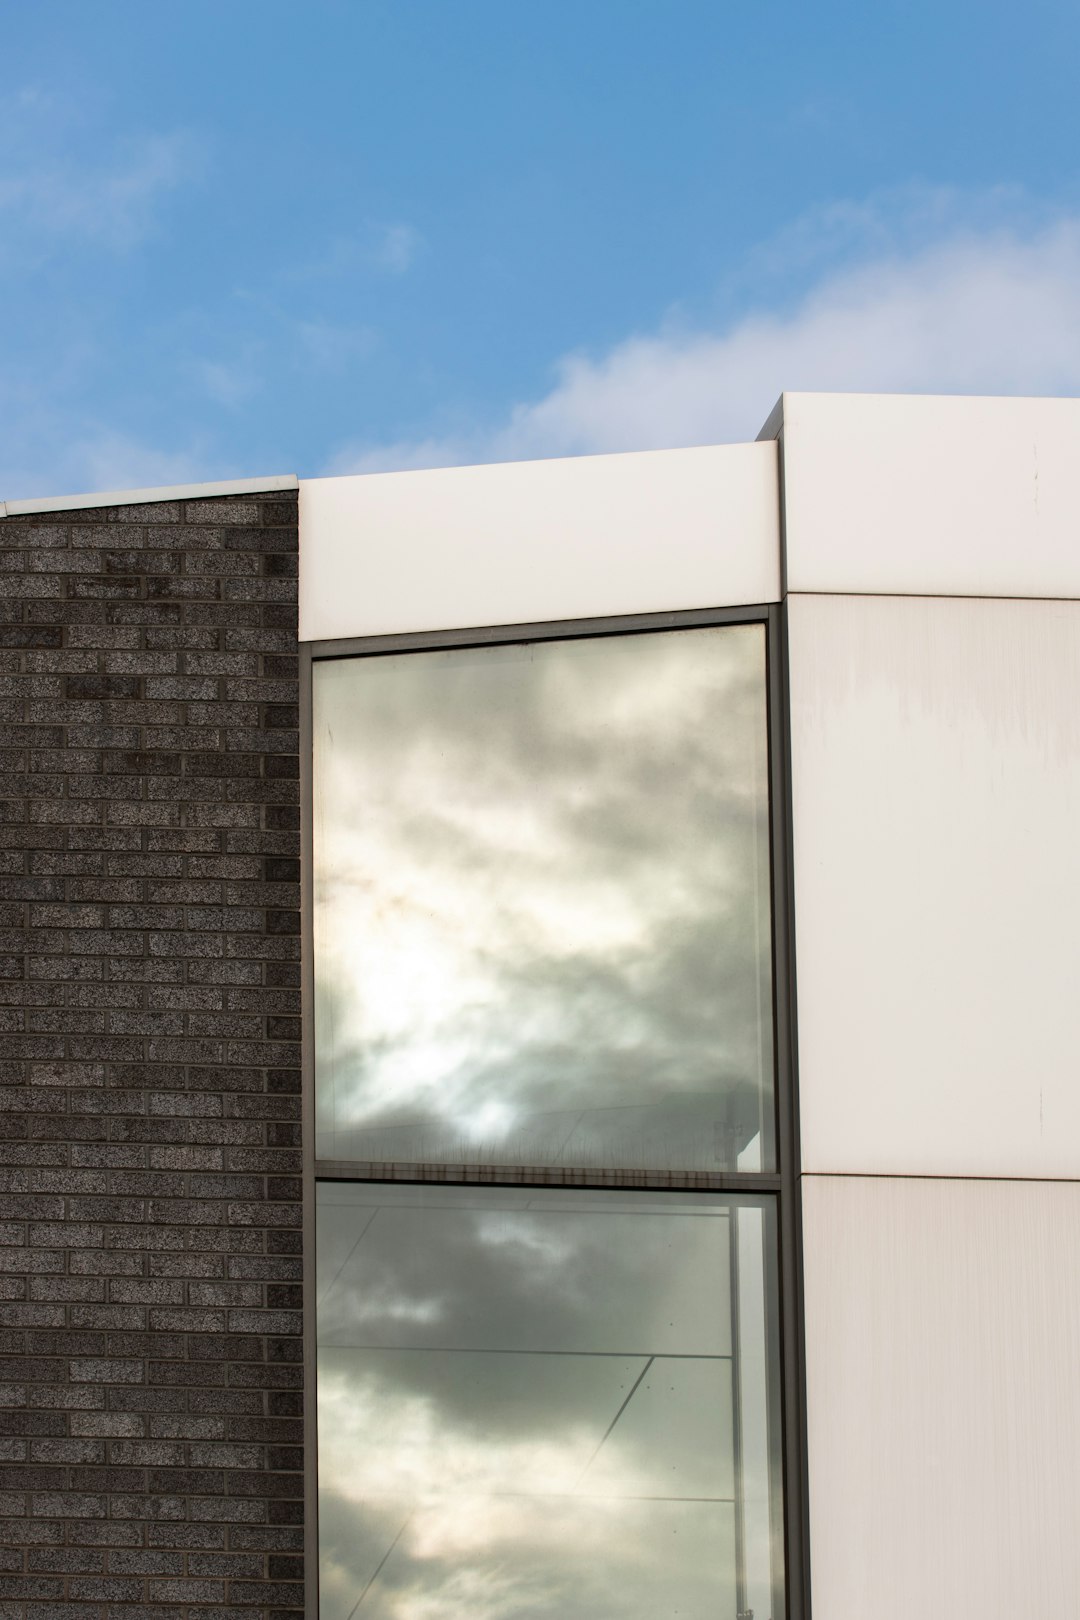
151 1407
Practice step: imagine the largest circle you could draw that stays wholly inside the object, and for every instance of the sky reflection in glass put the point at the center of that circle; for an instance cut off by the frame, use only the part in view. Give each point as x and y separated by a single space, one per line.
529 1403
542 904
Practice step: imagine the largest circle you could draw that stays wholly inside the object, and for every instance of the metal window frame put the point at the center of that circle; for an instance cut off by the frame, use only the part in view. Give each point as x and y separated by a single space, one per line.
781 1185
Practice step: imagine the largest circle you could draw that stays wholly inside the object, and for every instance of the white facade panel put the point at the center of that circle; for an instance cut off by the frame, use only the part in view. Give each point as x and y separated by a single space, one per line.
936 802
545 540
896 494
943 1403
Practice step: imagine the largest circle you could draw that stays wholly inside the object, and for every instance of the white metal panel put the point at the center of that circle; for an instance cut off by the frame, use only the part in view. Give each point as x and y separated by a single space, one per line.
943 1397
923 496
531 541
936 805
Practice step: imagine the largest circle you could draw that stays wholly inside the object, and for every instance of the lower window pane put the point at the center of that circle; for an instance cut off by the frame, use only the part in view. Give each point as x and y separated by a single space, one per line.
545 1405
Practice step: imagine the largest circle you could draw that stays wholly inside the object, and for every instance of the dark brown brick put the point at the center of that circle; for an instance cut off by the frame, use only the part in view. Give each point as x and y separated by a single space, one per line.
150 1236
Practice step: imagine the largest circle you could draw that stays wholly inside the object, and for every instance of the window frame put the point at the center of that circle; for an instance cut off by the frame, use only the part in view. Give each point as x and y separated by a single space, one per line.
781 1184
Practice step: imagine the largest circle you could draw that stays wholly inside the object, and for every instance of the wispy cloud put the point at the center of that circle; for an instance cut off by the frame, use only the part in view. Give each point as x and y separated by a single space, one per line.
99 457
331 345
935 294
266 344
114 460
394 248
51 193
897 222
228 383
384 247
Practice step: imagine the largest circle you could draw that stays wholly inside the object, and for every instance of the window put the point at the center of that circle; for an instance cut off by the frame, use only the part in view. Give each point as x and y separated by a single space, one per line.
549 1368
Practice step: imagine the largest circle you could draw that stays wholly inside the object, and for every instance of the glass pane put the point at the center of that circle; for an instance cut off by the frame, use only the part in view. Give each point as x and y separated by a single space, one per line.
536 1405
542 910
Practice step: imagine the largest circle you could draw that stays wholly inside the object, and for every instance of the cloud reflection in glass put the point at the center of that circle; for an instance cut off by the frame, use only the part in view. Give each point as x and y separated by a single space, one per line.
542 904
529 1400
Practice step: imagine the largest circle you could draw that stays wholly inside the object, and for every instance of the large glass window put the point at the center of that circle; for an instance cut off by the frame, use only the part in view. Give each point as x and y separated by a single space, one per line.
543 1404
542 924
548 1342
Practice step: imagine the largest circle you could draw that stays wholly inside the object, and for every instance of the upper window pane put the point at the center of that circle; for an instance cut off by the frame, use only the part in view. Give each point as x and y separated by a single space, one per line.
542 904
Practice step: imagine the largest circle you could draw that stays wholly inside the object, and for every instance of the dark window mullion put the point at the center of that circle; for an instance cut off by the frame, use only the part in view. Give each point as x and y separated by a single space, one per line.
453 1175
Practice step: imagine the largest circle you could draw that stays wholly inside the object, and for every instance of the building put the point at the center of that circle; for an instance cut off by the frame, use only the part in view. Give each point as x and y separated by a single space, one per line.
586 950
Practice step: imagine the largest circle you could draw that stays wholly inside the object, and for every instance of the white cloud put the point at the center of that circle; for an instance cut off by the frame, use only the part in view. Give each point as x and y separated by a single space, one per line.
943 299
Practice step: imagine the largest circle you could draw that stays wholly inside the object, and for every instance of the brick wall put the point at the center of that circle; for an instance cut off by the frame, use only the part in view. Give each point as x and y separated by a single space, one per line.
150 1200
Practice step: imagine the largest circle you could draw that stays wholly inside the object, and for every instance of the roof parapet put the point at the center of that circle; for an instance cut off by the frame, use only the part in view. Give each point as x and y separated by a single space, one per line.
143 497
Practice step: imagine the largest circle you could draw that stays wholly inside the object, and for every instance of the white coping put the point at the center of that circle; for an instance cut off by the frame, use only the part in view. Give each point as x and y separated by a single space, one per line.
931 495
528 542
144 497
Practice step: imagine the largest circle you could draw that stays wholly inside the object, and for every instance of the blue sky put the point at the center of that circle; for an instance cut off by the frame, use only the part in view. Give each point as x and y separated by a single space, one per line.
240 238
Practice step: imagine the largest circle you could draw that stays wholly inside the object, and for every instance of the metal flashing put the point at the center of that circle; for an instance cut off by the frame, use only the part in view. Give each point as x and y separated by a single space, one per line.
774 422
144 497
